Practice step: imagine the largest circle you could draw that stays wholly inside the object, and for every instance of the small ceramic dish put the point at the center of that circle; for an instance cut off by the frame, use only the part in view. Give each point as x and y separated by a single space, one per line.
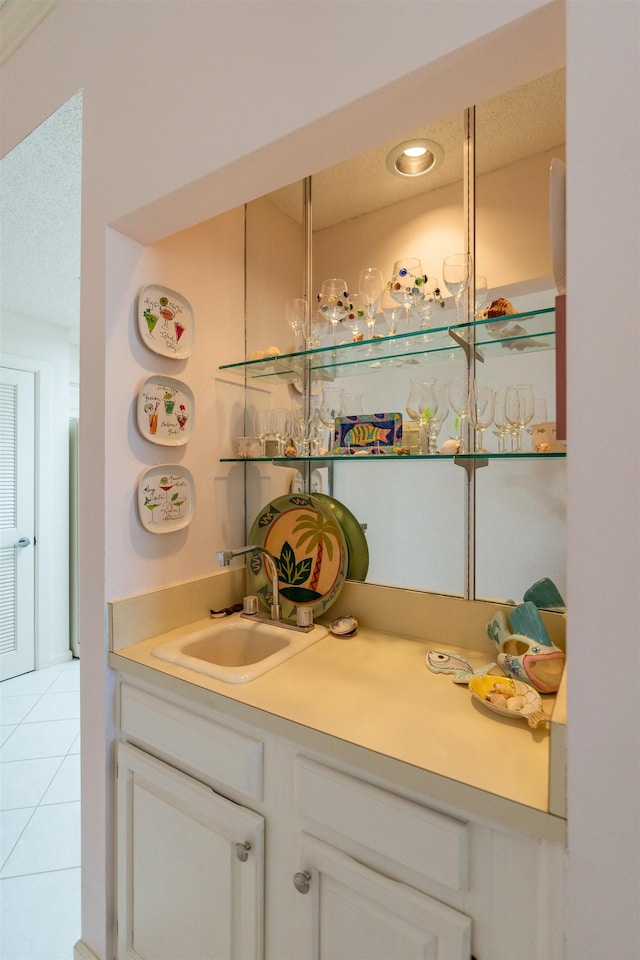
344 627
530 708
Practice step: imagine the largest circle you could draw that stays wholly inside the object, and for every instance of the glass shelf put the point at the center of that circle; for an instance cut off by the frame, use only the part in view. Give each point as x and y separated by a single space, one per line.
501 336
322 461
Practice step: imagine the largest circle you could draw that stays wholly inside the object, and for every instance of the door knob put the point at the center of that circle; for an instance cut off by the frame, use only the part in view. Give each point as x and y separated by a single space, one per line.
302 881
23 542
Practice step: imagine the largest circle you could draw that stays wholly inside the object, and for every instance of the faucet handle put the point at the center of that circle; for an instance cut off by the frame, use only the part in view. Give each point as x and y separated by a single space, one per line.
250 605
304 617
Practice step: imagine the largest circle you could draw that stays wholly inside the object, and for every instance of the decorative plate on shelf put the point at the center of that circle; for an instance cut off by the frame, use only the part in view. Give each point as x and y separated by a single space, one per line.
310 550
165 411
165 321
166 498
372 433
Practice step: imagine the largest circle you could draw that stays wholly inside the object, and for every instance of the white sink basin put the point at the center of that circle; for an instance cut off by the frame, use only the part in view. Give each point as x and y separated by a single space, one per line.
235 649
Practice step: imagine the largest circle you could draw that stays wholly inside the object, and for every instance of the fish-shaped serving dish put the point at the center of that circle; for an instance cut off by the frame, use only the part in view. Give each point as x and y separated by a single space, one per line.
509 698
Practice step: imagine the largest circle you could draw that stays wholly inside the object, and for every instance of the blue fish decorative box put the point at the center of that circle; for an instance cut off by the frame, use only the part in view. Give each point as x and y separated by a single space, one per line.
371 433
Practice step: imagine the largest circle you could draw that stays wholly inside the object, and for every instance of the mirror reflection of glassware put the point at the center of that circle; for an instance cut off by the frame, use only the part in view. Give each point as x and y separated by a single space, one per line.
539 416
318 327
459 402
297 314
500 420
456 273
406 283
334 303
519 410
480 295
481 400
429 296
392 313
437 418
370 287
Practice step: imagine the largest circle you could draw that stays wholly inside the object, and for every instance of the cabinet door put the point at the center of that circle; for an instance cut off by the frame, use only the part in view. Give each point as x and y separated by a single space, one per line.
184 888
354 913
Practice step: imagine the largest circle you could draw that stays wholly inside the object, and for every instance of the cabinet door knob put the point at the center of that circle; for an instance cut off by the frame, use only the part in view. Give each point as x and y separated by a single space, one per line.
242 851
302 881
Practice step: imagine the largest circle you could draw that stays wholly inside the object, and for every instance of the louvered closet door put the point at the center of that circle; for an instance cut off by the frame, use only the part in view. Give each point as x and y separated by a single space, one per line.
17 522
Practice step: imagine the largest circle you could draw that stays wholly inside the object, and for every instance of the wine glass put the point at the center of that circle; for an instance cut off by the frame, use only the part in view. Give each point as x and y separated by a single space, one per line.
280 425
422 404
370 287
480 293
456 273
297 315
430 294
334 302
406 283
519 409
331 406
500 420
391 312
439 416
459 402
481 399
539 415
262 427
355 316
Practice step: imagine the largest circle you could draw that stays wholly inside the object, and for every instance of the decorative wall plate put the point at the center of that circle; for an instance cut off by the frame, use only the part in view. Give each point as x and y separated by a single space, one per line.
166 498
165 411
309 547
165 321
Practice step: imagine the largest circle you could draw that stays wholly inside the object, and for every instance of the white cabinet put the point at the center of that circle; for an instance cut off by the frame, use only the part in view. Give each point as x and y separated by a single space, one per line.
355 869
352 912
190 867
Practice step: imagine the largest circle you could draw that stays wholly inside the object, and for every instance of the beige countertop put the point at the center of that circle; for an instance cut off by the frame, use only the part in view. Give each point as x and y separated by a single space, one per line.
375 693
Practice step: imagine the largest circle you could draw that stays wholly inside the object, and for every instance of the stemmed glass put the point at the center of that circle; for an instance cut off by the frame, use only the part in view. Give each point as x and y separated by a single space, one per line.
519 409
334 303
539 415
456 273
406 283
500 420
370 287
430 294
330 408
355 315
280 425
262 427
297 315
422 404
459 401
481 400
439 416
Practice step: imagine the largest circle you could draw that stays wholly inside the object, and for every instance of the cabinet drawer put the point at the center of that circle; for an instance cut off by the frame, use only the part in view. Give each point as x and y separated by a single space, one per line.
202 747
429 842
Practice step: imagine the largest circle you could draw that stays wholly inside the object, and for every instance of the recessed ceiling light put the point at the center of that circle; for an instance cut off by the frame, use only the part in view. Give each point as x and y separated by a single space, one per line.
414 158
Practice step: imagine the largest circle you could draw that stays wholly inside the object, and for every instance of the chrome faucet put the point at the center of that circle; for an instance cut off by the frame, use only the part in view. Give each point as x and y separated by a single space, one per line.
225 557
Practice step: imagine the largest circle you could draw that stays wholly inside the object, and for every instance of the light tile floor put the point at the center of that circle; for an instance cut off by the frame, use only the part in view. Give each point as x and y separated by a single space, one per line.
40 814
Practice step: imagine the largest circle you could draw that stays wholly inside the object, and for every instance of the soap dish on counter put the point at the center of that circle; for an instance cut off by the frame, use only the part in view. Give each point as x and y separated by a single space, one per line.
344 627
502 690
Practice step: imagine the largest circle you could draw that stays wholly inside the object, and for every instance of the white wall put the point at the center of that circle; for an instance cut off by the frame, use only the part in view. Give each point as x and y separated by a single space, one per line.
232 96
44 348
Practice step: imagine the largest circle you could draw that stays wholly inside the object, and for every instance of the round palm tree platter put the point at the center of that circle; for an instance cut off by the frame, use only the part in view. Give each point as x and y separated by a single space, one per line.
310 551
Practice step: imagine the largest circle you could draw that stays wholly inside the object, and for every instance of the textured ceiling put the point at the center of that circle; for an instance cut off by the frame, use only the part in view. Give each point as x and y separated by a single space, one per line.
40 190
518 124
